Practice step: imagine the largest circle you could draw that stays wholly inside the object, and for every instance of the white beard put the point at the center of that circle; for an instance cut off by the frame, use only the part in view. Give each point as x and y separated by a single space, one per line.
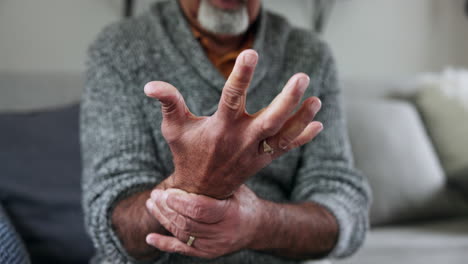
224 22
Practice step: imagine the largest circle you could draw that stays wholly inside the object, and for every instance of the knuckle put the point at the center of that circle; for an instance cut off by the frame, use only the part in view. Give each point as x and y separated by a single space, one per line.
294 96
187 227
177 232
294 144
268 127
196 211
170 108
216 132
232 98
308 114
305 120
171 134
241 77
171 226
286 138
182 223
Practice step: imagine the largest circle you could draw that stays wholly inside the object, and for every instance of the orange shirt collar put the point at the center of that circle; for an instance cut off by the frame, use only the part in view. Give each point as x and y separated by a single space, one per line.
225 62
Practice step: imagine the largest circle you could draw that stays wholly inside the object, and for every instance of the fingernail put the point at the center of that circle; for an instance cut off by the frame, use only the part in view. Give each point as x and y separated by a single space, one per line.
149 240
303 83
321 128
149 204
250 59
315 106
148 89
283 144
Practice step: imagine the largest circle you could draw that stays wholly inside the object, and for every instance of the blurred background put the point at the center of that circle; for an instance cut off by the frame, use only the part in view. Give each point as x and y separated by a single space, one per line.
402 65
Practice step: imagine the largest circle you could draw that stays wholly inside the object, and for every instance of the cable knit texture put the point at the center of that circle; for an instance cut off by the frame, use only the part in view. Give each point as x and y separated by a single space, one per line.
12 250
124 151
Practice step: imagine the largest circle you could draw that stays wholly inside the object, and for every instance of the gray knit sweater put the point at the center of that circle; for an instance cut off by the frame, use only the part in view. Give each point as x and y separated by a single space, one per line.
124 151
12 250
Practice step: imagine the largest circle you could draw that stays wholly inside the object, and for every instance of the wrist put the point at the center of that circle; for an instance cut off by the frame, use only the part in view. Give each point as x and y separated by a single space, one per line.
177 181
165 184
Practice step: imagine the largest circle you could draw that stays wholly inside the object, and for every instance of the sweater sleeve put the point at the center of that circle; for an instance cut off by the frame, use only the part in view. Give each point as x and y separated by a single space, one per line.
327 176
118 150
12 250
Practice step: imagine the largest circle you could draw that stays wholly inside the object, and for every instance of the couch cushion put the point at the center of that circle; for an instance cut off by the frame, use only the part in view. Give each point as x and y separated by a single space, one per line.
40 175
391 147
446 120
439 243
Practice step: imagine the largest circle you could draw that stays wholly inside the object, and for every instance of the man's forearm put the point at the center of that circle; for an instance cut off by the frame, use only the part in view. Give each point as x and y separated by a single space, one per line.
301 231
132 222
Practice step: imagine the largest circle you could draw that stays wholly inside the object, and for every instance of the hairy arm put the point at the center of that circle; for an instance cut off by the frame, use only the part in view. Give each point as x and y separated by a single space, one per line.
297 231
301 231
132 222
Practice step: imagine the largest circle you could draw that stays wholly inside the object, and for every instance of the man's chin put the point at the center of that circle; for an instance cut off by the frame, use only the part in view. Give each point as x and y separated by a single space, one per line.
223 22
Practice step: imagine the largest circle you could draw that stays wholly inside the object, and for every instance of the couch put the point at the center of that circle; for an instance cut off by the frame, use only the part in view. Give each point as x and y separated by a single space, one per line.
415 217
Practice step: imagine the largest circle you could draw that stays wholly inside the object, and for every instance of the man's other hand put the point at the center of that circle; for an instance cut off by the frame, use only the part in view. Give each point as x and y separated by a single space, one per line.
215 155
220 227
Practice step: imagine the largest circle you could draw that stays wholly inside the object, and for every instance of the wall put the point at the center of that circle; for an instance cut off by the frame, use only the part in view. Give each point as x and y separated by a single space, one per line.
50 35
387 39
374 39
400 37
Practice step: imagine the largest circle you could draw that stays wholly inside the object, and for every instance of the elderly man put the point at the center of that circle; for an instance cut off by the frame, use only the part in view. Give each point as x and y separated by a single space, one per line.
192 177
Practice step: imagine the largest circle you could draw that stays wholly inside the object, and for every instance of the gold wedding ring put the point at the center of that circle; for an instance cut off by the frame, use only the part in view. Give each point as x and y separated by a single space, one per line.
190 241
267 148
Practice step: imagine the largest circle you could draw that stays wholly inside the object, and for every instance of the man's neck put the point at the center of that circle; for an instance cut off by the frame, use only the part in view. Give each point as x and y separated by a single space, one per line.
219 44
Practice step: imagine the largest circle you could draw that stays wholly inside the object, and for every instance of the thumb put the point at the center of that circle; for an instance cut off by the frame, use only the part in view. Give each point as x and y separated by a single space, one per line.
173 106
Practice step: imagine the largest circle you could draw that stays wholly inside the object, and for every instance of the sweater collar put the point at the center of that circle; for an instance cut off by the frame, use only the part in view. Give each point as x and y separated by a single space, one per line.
178 29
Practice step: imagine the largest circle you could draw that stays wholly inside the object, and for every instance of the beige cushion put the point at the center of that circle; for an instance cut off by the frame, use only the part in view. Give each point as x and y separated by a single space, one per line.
391 147
446 120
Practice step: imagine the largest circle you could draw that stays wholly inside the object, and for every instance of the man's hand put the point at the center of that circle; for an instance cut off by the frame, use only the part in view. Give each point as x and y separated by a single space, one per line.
215 155
220 226
298 231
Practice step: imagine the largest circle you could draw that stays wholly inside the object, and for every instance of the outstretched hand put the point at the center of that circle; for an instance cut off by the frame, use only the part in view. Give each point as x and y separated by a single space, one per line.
215 155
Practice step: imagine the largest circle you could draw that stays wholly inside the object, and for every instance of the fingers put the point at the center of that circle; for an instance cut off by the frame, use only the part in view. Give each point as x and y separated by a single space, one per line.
180 226
162 219
173 245
309 133
296 124
275 115
232 102
173 106
197 207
